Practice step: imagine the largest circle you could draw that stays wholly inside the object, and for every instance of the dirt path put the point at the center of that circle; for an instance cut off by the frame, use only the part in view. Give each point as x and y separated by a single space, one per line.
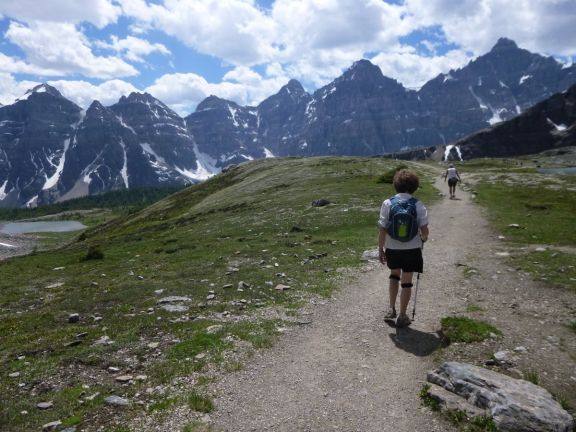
349 370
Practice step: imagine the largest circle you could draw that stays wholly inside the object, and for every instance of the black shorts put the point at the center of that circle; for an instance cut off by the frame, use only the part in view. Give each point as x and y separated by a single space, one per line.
408 260
452 181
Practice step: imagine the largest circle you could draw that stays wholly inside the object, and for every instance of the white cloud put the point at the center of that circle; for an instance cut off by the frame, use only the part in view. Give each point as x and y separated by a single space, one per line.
61 47
81 93
84 93
98 12
242 34
233 30
336 24
538 25
413 70
12 65
182 92
11 89
133 48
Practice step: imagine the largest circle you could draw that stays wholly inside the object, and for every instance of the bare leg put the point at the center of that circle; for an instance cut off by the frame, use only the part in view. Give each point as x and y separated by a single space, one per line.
406 293
394 285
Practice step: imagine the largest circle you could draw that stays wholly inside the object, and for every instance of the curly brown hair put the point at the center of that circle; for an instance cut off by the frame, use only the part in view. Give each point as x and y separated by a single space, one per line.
406 181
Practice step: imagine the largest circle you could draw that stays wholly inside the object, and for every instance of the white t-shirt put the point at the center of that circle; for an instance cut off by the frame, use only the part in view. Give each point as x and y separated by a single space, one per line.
422 213
452 173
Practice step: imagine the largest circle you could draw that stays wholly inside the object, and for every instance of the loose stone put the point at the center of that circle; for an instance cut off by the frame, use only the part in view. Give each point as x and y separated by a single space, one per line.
124 378
51 426
73 318
116 401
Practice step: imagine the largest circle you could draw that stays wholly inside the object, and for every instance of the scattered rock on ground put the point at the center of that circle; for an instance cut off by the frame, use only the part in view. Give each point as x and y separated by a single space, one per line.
116 401
51 426
514 405
320 202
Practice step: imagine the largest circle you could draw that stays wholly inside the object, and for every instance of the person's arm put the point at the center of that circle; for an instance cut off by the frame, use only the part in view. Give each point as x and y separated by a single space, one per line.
422 220
445 175
381 240
424 232
458 175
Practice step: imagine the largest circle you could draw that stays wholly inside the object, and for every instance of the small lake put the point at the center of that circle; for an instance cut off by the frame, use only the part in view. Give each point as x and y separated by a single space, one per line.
34 227
563 171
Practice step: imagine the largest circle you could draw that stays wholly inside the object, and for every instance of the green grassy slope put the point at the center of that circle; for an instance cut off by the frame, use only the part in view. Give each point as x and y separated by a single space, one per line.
253 224
122 201
533 211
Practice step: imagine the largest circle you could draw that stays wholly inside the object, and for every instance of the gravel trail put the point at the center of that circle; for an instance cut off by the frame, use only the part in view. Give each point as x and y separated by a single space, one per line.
349 370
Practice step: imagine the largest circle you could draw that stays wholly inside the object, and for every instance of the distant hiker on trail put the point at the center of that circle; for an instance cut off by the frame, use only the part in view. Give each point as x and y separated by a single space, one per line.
403 230
453 178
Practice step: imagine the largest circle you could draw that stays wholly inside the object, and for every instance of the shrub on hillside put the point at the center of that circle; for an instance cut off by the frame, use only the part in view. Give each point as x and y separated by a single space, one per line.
94 253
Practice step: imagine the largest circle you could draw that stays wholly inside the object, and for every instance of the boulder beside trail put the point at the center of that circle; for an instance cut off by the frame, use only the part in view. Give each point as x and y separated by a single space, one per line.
514 405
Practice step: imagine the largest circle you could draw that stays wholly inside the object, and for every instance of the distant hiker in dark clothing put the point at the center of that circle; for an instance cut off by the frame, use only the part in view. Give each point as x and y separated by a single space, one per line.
453 178
403 230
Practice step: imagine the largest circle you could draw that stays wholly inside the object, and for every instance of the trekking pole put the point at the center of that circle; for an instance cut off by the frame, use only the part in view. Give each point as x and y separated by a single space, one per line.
416 290
415 296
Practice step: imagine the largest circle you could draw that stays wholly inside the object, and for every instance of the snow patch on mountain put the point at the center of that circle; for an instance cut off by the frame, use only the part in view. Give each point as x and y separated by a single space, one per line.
206 167
124 170
448 77
53 180
148 149
3 193
449 148
121 120
233 114
32 202
557 128
38 89
524 78
495 115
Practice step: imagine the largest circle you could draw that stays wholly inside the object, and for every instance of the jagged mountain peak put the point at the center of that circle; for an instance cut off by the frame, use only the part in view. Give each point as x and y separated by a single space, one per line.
294 90
294 85
504 44
214 102
41 88
145 98
95 107
362 69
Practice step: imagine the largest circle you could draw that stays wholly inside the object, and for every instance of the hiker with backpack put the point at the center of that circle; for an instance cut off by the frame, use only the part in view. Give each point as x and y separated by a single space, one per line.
403 229
453 178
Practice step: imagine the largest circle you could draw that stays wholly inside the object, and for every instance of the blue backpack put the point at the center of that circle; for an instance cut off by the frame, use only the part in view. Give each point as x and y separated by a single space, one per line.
403 219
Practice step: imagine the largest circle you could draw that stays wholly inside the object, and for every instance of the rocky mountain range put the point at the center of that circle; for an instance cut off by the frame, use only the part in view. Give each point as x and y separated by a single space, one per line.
547 125
51 149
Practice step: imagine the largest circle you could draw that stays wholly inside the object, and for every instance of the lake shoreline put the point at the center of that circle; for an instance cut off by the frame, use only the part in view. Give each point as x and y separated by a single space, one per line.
22 227
22 244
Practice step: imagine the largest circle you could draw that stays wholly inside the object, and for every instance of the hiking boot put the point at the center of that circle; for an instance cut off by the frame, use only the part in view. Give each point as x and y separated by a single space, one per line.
390 314
403 321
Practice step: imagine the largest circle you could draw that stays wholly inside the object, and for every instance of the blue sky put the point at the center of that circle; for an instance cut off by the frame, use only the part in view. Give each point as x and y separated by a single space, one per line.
182 51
